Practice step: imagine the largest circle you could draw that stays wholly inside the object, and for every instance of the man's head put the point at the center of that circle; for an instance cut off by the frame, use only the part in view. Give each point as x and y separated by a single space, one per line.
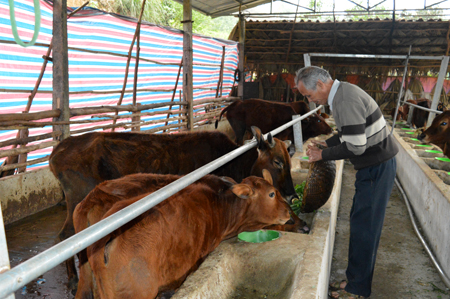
314 83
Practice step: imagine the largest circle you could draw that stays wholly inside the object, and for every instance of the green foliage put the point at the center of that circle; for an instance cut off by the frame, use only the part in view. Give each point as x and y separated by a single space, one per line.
218 27
297 204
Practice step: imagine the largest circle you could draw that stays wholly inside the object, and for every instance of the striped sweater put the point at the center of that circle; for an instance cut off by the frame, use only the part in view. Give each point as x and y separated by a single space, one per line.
362 134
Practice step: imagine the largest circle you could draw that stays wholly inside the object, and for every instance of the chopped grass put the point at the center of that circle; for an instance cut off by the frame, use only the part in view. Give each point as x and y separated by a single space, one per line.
297 204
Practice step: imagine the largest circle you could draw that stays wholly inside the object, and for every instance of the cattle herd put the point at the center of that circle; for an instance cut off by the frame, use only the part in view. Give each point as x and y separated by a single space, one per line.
104 172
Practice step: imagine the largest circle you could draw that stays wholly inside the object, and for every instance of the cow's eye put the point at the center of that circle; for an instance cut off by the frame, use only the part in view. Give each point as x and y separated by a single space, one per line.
443 123
272 194
278 164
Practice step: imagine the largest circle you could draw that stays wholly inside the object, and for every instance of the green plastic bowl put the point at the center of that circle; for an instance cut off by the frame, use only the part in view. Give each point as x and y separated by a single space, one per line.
305 158
433 151
414 139
407 129
410 133
424 145
442 159
259 236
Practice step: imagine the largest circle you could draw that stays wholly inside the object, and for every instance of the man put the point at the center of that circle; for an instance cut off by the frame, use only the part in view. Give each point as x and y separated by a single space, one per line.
364 139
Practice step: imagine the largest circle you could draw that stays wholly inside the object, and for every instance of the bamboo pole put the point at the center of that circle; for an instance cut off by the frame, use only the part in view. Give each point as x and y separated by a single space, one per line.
175 89
29 139
20 165
27 149
219 82
136 33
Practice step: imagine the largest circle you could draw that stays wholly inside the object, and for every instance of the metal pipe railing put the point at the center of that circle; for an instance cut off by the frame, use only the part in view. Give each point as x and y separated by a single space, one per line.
22 274
423 108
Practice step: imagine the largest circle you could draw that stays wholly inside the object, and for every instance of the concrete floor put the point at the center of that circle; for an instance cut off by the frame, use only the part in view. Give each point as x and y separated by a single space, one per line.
403 269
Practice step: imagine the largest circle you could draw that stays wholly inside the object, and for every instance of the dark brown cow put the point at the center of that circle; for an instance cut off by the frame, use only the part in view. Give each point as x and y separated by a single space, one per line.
439 132
82 162
156 251
420 117
268 116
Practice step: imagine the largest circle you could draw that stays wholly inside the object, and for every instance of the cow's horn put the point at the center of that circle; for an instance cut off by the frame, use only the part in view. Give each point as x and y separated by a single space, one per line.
270 140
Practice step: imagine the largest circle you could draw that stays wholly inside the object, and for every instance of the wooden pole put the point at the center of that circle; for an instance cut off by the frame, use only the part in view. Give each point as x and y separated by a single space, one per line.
219 82
241 56
188 94
60 66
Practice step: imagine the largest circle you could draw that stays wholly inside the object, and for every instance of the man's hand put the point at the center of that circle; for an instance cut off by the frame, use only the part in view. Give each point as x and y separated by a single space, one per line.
314 153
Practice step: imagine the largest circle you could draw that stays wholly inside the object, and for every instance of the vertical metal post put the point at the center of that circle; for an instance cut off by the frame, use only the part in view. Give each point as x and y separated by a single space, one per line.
400 93
241 56
60 66
188 94
307 60
410 114
298 137
4 257
438 89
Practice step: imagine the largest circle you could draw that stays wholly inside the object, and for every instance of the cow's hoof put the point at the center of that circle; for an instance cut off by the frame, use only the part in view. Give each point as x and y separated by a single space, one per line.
73 285
304 230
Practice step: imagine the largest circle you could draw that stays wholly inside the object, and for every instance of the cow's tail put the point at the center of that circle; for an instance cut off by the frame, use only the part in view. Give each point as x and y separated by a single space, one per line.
220 115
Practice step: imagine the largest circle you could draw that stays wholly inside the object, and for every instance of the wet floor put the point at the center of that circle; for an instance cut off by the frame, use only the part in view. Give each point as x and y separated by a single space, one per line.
30 236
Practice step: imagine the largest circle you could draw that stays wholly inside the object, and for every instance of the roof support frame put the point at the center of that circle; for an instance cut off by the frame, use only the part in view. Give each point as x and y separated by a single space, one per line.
426 7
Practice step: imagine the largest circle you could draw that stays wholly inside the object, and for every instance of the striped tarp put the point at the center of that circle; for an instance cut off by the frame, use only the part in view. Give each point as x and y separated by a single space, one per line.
98 47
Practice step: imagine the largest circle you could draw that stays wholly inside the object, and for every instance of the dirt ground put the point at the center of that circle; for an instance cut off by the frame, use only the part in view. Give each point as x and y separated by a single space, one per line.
403 268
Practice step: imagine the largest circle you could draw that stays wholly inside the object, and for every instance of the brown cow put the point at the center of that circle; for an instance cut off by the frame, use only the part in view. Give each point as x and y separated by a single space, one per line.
268 116
82 162
156 251
439 132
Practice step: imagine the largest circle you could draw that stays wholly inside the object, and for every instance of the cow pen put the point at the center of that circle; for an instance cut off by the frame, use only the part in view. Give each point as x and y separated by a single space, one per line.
19 276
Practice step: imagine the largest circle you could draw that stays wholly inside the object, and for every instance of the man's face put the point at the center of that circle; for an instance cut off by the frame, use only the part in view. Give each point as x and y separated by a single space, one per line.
318 96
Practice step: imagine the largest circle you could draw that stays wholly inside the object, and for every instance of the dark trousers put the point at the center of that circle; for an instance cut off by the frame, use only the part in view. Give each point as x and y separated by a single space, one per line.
373 189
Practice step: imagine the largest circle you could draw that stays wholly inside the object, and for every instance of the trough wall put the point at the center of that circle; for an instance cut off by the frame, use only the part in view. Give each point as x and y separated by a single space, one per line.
430 200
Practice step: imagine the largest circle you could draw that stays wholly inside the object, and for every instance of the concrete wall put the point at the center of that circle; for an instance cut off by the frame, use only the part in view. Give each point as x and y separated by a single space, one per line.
430 199
28 193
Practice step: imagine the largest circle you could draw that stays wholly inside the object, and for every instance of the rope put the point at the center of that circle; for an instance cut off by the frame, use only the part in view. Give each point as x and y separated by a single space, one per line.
37 23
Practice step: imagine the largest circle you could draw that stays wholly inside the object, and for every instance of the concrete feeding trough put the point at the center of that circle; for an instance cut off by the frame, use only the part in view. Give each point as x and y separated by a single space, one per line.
291 266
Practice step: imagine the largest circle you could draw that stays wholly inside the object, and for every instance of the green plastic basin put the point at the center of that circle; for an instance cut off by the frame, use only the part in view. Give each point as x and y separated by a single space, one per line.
259 236
414 139
407 129
305 158
424 145
442 159
410 133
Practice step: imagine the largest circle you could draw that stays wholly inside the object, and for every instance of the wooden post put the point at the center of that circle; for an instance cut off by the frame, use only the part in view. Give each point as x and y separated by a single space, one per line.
60 67
188 93
136 118
219 82
241 56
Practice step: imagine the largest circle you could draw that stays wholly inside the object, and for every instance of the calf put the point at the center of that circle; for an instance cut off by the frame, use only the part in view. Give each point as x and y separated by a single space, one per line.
156 251
82 162
267 116
438 133
420 117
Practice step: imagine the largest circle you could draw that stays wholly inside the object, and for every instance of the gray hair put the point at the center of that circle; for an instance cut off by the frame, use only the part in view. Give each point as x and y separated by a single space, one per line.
310 75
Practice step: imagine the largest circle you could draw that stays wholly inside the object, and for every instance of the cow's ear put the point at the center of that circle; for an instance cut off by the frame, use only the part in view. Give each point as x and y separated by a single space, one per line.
242 191
267 176
259 136
287 143
270 141
228 181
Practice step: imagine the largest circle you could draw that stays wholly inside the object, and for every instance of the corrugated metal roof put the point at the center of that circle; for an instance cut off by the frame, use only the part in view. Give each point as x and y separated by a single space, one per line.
220 8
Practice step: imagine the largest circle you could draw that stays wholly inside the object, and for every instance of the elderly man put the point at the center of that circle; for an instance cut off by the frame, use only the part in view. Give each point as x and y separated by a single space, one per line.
363 139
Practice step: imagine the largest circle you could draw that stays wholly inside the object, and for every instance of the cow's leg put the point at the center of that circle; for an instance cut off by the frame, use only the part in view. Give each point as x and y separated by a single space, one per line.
85 289
75 187
239 130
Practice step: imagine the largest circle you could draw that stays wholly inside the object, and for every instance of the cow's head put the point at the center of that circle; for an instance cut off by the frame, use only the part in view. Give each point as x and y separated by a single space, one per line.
439 132
273 156
266 205
314 125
